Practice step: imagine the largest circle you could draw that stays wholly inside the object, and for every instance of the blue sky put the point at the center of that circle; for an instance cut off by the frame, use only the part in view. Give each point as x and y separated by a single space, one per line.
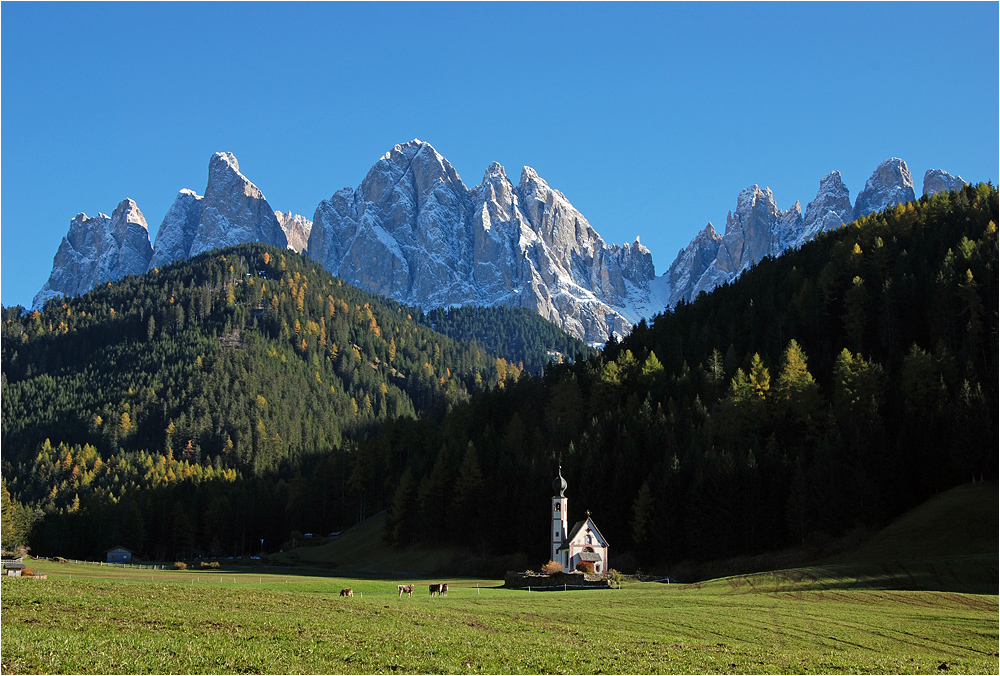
649 117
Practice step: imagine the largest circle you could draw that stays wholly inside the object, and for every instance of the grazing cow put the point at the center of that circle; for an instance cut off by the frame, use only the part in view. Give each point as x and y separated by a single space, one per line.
408 588
444 588
435 589
347 592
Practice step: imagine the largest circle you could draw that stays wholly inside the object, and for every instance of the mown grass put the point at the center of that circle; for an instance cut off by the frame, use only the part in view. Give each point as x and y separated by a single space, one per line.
109 620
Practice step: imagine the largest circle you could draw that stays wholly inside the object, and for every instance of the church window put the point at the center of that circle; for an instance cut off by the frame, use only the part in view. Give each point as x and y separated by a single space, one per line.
558 507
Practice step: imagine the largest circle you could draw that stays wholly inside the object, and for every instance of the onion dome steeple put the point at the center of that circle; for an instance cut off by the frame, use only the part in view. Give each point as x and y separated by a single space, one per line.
559 484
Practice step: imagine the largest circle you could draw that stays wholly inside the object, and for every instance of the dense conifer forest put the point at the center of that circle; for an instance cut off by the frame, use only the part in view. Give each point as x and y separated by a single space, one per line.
517 334
149 395
833 387
246 394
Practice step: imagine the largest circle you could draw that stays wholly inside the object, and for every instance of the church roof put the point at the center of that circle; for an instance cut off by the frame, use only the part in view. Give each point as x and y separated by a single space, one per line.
593 557
579 526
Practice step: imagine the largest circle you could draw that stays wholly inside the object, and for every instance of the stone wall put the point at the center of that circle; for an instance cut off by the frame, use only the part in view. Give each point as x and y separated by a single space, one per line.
525 580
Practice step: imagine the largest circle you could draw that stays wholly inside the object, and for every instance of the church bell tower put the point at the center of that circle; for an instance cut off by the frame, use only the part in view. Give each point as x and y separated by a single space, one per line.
560 520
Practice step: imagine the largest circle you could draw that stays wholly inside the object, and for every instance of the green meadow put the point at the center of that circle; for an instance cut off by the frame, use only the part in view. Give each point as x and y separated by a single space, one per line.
88 619
920 596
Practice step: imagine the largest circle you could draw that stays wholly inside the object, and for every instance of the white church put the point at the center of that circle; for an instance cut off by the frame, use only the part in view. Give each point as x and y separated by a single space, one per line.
583 543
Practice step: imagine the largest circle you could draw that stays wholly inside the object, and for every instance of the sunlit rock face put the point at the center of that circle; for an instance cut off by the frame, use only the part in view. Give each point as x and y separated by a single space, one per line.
98 250
296 229
937 180
178 229
414 232
890 184
232 211
758 228
830 209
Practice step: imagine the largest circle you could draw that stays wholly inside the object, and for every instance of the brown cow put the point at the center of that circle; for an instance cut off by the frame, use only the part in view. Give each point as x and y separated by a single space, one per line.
347 592
408 588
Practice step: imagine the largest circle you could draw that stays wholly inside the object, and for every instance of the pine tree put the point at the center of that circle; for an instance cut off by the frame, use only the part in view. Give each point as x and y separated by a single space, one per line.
470 493
642 516
797 396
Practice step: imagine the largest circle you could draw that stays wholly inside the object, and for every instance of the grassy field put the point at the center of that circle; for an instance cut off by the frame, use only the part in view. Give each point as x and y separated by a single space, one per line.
88 619
918 597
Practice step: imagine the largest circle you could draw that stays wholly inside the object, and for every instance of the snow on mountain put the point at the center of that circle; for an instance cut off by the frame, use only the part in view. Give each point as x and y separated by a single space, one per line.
233 211
758 228
936 180
296 229
98 250
890 184
414 232
830 209
178 229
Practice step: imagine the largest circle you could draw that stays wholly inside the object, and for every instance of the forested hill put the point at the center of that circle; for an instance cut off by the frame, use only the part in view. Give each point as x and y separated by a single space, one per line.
248 394
224 366
517 334
833 387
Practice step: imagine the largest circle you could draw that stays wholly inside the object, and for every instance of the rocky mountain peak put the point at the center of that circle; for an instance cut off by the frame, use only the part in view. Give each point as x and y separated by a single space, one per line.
131 234
749 230
754 199
418 166
98 250
890 184
496 196
528 175
296 229
758 228
415 232
234 210
494 173
177 230
223 161
127 212
937 180
224 174
830 209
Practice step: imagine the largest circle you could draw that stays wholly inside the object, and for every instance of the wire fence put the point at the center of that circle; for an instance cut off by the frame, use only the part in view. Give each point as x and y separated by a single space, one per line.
142 566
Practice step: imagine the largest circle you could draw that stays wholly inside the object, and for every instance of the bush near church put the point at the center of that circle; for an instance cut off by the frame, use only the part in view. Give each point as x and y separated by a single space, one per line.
552 567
